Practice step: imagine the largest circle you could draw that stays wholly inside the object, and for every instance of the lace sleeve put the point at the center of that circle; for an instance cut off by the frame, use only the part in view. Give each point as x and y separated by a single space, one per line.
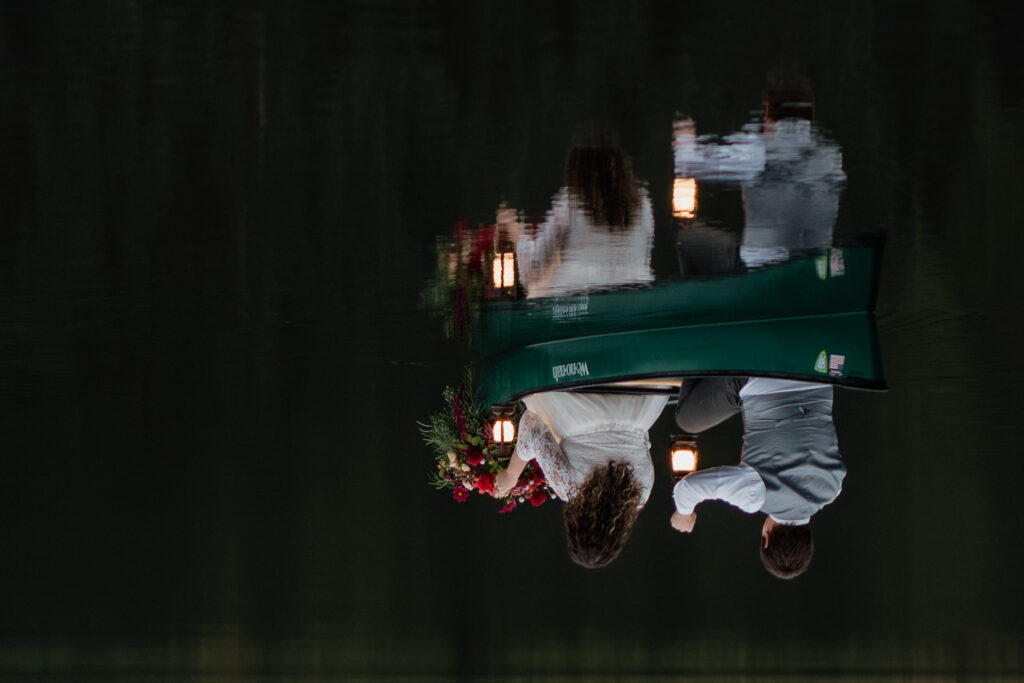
537 443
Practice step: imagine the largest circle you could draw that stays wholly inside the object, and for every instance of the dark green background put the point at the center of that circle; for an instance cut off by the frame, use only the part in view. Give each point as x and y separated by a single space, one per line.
216 220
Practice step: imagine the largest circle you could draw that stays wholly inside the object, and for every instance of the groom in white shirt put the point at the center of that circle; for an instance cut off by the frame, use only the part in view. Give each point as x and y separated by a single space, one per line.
789 469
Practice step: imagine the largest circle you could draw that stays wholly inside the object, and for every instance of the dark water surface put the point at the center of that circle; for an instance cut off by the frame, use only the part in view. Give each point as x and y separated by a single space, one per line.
216 222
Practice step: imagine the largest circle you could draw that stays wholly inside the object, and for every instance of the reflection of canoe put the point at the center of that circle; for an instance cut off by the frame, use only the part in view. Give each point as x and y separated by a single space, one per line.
810 319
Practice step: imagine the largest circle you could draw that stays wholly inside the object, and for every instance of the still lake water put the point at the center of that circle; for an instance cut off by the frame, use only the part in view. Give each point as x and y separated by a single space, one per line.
216 222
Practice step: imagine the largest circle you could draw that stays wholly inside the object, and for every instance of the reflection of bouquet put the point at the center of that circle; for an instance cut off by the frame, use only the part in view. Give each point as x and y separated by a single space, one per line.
467 456
464 276
461 279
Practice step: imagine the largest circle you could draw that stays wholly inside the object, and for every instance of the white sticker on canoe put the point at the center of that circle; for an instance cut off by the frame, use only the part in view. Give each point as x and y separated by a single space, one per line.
560 372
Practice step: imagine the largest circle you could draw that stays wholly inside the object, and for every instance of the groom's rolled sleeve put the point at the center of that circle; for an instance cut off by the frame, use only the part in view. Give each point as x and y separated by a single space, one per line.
740 486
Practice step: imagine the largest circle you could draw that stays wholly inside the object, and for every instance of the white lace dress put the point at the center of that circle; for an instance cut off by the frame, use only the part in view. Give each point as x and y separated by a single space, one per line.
569 434
570 253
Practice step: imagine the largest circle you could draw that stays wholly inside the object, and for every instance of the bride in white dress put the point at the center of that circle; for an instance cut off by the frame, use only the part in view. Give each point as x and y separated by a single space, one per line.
593 448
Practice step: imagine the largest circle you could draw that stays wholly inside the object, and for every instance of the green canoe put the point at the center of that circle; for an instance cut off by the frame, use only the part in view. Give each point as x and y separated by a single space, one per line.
811 319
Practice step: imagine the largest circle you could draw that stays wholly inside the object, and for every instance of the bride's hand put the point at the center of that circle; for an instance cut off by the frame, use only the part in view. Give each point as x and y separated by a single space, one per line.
504 482
507 221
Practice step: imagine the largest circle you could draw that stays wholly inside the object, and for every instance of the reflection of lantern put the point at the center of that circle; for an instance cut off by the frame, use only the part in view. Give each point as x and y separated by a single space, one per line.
683 454
503 270
503 429
684 198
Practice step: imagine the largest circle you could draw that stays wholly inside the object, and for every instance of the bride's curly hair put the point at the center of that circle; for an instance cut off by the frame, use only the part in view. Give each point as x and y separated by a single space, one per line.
599 175
599 518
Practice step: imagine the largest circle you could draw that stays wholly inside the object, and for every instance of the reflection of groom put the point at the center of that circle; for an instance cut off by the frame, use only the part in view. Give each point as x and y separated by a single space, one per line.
790 174
790 467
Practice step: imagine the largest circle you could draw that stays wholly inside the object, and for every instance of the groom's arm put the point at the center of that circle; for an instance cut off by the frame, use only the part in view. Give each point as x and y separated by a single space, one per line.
739 485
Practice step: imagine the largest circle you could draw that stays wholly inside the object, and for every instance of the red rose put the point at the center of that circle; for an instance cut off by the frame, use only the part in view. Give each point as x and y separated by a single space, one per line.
509 506
474 456
538 497
485 483
461 493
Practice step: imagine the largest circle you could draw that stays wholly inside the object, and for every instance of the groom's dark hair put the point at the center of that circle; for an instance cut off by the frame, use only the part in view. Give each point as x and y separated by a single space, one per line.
789 550
788 94
599 518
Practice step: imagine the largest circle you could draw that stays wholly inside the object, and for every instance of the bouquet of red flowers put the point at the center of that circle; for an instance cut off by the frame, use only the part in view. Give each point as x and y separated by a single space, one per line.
468 457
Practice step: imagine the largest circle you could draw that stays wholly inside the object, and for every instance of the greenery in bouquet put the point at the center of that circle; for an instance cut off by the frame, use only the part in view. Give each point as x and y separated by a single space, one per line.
468 458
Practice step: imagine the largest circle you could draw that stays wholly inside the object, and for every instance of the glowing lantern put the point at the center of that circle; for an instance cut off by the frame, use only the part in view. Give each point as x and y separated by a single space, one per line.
684 198
683 454
503 270
504 431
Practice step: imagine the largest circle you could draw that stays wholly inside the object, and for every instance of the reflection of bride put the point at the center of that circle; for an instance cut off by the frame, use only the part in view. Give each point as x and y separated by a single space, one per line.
598 232
593 448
